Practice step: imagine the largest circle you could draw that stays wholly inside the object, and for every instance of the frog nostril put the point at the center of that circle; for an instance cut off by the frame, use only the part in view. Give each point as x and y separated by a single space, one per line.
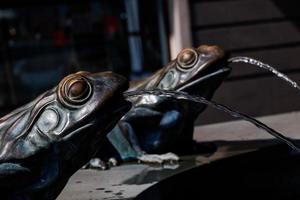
187 58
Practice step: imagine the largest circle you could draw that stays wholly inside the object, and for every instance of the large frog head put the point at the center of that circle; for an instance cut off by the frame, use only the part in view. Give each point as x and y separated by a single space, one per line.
44 142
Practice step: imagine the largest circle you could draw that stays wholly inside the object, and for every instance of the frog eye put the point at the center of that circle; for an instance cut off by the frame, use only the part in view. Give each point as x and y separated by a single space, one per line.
187 58
74 90
48 121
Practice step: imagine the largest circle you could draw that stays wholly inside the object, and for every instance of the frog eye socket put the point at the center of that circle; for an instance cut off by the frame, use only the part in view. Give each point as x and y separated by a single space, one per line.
169 81
187 58
74 90
48 121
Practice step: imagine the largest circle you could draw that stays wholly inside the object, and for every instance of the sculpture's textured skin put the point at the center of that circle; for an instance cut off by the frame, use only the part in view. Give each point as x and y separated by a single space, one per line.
159 125
44 142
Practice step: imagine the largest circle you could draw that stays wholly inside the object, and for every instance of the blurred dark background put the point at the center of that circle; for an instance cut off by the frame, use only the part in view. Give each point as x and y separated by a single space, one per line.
42 41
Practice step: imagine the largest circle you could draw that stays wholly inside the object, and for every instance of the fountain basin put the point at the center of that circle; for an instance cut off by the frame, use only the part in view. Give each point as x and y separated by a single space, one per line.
271 173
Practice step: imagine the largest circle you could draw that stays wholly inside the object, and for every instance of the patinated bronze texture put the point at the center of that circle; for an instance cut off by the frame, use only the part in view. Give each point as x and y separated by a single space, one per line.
159 125
44 142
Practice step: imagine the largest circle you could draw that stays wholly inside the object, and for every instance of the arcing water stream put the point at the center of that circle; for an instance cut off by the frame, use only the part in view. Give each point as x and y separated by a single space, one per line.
199 99
233 113
265 66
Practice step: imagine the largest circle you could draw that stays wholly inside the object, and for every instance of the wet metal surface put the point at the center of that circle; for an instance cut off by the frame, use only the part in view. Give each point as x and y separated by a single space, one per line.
129 180
122 182
93 184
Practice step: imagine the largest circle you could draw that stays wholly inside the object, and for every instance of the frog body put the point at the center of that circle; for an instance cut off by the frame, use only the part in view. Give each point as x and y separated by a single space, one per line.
157 125
46 141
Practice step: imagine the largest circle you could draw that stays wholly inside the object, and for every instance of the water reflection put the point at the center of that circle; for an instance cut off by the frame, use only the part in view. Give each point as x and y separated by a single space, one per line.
155 173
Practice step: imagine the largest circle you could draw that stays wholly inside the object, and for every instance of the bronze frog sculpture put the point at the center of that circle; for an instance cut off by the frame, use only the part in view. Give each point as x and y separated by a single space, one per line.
156 125
44 142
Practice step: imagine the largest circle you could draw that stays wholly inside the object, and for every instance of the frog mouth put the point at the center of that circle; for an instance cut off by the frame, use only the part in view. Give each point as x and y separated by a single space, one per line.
206 81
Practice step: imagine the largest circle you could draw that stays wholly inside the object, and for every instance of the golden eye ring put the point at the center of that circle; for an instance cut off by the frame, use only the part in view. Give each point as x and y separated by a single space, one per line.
74 90
187 58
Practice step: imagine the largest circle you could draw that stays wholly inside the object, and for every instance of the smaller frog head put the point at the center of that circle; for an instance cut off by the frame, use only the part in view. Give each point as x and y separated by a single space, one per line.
44 142
198 71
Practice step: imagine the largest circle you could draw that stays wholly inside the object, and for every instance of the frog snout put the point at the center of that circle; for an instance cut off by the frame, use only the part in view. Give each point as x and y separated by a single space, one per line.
117 84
